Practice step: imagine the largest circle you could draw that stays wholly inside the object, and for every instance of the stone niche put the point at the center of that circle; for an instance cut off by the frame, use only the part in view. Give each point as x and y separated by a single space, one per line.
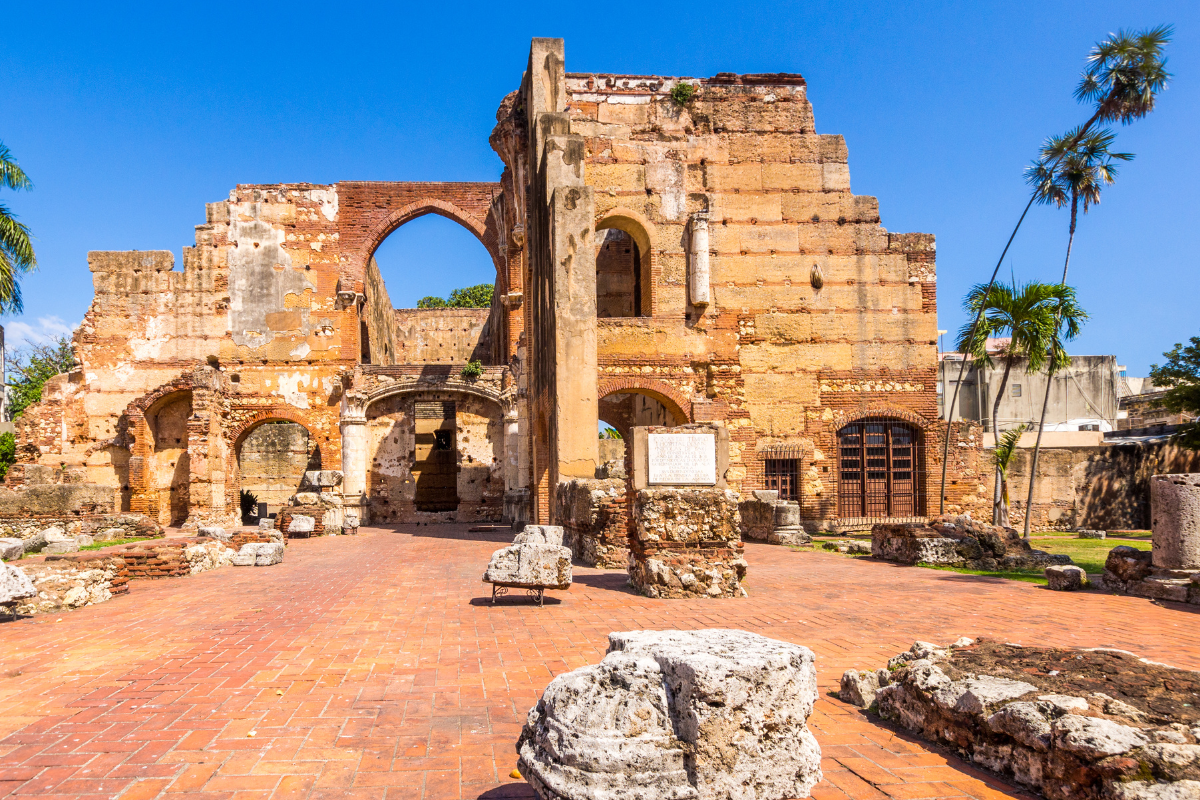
685 527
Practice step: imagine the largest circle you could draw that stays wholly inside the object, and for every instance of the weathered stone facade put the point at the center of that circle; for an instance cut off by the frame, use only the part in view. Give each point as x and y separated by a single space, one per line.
656 264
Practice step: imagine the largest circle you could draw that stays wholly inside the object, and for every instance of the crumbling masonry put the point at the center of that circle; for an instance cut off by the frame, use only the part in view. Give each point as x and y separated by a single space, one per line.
656 264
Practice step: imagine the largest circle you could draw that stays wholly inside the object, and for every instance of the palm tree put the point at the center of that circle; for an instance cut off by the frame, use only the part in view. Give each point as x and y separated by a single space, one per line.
1026 314
16 246
1083 169
1124 75
1006 449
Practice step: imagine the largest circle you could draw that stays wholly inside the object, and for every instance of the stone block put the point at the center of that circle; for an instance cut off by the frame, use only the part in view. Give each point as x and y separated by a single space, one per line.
220 534
1065 578
1085 534
1175 519
11 549
540 534
268 554
532 564
244 559
677 714
302 524
322 478
266 523
14 585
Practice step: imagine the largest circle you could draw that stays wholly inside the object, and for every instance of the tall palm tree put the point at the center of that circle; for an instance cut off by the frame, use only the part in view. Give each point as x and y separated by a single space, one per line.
16 245
1002 456
1124 75
1084 168
1026 314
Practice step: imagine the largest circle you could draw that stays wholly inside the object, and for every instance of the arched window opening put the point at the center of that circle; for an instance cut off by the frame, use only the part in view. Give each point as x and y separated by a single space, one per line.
431 256
879 470
169 484
618 275
272 459
429 288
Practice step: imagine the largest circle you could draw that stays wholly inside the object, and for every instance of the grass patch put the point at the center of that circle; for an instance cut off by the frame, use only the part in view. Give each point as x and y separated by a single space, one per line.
116 542
1089 554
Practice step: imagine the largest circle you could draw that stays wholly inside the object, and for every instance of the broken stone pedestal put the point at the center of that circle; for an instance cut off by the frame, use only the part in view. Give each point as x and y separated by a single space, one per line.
1175 519
535 561
259 554
709 714
766 518
686 543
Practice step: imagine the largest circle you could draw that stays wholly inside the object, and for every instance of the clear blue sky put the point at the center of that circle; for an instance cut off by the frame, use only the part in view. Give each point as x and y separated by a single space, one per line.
129 119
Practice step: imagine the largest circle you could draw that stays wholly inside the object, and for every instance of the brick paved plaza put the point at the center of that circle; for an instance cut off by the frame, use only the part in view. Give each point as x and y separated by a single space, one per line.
375 667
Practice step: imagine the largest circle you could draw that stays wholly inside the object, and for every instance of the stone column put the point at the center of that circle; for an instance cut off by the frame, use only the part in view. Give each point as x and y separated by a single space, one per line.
1175 519
699 276
354 467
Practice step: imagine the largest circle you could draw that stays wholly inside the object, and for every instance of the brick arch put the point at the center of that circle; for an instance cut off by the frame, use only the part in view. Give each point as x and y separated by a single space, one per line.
369 211
641 230
133 432
674 400
841 419
237 434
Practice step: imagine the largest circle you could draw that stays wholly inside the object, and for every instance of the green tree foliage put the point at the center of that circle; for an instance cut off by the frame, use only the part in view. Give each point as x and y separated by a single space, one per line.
1181 374
478 296
1031 316
8 452
682 93
16 244
32 367
1002 456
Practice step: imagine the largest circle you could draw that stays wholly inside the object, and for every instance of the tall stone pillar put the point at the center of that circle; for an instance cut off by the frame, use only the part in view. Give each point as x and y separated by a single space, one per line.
354 466
699 272
1175 518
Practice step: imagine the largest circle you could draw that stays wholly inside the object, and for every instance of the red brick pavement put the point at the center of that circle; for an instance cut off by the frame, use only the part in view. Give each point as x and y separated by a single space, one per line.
374 667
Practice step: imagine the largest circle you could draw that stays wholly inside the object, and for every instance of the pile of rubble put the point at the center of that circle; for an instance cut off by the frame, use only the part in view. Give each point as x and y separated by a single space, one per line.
718 714
1072 724
959 542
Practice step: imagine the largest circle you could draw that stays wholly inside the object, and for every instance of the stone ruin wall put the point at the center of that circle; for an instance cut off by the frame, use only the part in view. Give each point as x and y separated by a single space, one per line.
443 335
1096 488
782 362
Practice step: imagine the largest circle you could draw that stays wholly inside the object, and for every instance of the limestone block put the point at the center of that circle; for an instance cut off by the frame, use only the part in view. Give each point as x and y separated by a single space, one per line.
1128 563
266 523
11 549
1065 578
725 177
14 584
709 714
58 541
306 498
745 207
1094 738
302 523
109 535
322 478
205 557
219 534
531 564
268 553
83 540
1175 519
859 688
243 559
1084 534
540 534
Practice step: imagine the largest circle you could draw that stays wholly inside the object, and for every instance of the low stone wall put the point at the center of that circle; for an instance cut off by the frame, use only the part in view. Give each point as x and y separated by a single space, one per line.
83 579
595 522
958 542
253 536
1130 571
686 543
1071 724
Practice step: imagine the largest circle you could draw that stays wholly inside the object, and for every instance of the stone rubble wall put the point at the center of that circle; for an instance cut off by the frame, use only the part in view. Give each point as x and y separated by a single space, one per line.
75 580
686 543
958 542
1066 747
595 522
1130 571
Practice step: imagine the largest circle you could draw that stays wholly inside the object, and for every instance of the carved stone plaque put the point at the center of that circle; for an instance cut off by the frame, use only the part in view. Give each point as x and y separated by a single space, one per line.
682 458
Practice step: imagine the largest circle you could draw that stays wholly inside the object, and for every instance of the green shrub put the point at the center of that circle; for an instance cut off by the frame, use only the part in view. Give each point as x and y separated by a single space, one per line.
472 370
682 93
8 452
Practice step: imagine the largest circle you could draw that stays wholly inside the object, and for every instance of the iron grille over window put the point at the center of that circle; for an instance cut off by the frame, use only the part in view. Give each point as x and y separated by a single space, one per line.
880 472
782 475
